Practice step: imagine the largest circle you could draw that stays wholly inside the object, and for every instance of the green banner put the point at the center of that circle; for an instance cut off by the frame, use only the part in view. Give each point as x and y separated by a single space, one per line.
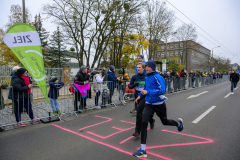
24 42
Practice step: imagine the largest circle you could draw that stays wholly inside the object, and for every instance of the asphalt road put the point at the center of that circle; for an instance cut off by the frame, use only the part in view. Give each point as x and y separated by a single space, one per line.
106 134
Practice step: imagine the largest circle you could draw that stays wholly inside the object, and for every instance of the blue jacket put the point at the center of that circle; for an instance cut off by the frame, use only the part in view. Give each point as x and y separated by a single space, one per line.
54 89
144 70
113 79
155 87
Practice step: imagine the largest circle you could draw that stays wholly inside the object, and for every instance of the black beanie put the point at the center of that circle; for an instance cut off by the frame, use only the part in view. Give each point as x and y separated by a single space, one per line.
53 79
20 71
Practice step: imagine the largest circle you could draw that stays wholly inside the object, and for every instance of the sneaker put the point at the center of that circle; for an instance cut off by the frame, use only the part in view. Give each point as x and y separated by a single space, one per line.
136 134
140 154
58 112
180 124
133 111
21 124
55 113
232 93
35 120
97 107
152 124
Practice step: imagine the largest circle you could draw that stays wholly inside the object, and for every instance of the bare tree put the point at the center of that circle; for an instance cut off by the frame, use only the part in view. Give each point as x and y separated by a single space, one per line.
160 21
184 34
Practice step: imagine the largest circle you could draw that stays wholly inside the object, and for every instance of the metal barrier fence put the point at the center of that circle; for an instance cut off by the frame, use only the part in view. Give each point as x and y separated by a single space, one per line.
183 83
70 103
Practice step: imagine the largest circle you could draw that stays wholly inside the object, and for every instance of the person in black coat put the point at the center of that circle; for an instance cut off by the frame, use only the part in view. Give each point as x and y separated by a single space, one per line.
21 93
234 78
81 78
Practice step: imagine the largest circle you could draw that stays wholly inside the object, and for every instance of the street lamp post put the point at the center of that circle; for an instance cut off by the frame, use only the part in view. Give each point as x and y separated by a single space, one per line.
212 56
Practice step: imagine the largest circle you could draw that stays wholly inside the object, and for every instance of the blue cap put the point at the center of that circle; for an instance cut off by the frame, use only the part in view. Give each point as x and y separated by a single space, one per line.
152 64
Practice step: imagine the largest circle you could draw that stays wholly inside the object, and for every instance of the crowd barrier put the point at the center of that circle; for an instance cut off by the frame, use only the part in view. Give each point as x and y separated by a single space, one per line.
71 103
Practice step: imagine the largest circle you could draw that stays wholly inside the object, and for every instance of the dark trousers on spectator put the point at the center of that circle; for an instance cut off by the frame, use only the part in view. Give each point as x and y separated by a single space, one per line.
97 98
78 97
111 94
19 104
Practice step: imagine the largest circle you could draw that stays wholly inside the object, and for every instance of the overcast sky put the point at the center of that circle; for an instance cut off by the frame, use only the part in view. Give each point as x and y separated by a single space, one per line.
219 18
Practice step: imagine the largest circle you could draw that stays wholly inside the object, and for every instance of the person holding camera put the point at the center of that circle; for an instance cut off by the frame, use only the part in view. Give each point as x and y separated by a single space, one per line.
21 92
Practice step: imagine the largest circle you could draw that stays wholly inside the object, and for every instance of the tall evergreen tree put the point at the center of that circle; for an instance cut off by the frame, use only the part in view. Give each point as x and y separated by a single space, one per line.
57 53
43 35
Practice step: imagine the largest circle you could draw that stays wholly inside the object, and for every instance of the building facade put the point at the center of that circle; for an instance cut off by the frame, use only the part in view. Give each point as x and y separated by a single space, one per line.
193 55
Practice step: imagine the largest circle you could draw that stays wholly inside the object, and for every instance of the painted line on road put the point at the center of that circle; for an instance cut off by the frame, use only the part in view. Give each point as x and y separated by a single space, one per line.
227 95
194 96
203 115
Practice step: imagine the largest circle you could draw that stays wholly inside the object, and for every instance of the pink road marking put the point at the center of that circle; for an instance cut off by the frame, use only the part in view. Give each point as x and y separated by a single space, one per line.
159 156
129 138
118 128
110 134
128 122
182 144
109 119
91 139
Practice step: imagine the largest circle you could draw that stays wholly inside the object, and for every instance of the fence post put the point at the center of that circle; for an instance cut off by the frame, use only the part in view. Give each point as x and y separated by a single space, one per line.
66 74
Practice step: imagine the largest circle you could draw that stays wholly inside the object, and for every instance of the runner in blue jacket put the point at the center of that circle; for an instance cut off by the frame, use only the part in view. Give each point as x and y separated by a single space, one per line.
154 89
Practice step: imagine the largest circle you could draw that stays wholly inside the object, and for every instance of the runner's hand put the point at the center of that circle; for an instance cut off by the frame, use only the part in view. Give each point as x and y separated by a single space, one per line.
144 92
136 101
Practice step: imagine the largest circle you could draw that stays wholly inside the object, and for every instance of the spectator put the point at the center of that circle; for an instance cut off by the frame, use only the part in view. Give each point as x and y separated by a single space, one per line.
197 79
10 90
81 78
54 93
183 77
169 81
104 74
105 97
234 78
112 79
2 105
97 86
124 78
140 59
176 82
2 86
21 93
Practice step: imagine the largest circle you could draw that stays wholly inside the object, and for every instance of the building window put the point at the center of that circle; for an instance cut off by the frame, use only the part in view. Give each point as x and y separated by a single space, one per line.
171 45
181 52
167 53
162 54
176 53
158 54
176 45
179 60
181 44
167 46
171 53
162 46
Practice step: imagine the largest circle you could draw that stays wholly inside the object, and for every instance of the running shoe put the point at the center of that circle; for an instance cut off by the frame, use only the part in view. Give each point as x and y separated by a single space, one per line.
136 134
180 124
58 112
232 93
97 107
133 111
140 153
21 124
35 120
55 113
152 124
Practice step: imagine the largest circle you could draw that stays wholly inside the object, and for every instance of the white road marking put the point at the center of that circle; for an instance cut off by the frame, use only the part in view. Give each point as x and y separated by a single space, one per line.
193 96
227 95
236 88
203 115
